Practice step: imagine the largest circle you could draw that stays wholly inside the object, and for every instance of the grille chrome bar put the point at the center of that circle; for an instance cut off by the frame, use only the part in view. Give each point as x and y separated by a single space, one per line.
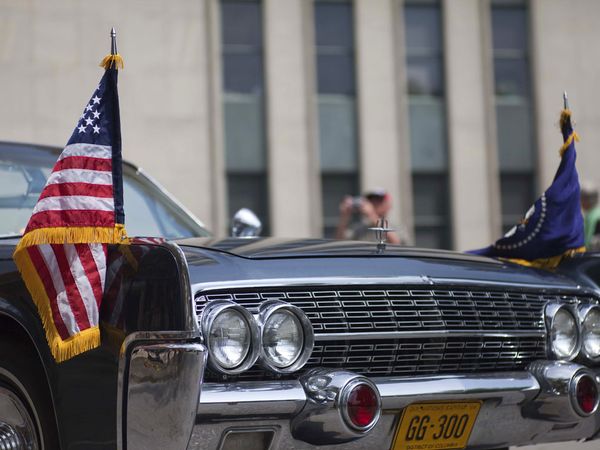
425 334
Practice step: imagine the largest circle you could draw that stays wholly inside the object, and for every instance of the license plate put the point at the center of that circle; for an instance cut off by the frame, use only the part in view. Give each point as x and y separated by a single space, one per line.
436 426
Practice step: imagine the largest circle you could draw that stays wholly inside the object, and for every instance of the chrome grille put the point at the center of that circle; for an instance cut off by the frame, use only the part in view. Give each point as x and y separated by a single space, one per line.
410 356
390 331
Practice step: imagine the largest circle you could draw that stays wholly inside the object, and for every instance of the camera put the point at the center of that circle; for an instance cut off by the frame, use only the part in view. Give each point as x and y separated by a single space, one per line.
357 202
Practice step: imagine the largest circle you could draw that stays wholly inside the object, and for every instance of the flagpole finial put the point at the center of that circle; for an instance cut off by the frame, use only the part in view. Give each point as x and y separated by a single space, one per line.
113 59
565 100
113 41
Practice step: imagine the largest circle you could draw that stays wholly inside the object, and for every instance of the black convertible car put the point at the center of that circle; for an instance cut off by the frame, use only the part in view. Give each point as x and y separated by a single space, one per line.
276 344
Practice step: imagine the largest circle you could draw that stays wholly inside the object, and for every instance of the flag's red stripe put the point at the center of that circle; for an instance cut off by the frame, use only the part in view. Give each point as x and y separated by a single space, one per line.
71 218
91 270
46 278
88 189
73 294
83 162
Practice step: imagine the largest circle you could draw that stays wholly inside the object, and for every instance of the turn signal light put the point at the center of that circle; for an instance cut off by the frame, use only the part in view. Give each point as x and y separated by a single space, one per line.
586 393
362 405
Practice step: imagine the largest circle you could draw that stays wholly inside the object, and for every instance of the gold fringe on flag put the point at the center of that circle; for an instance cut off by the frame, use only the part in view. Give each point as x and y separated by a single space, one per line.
565 116
86 339
73 235
547 263
111 59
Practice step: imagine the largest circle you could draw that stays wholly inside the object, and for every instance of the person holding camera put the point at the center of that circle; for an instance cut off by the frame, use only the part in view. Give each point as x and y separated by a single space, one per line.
370 208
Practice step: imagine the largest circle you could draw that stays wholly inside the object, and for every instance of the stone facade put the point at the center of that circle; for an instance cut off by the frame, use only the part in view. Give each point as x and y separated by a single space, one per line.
171 97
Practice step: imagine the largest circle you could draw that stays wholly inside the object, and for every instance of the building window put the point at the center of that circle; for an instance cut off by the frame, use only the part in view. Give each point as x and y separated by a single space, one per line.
336 88
514 115
427 110
243 86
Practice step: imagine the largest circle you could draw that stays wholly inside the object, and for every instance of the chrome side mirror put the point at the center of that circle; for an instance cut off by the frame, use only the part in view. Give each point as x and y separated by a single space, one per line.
245 224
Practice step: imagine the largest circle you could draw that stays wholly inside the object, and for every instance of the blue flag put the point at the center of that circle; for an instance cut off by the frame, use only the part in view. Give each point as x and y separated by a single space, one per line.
553 227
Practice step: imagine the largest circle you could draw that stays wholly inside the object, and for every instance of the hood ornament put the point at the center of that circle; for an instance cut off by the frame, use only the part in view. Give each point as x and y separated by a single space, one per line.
381 232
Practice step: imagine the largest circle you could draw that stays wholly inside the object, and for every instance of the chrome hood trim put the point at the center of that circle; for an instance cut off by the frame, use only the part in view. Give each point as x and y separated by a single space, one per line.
425 281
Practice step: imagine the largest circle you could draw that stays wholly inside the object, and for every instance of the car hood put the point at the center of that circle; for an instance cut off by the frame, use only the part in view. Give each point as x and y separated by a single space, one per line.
269 248
233 261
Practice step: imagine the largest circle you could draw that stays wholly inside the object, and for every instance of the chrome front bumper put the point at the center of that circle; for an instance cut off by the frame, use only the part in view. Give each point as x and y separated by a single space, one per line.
163 385
507 417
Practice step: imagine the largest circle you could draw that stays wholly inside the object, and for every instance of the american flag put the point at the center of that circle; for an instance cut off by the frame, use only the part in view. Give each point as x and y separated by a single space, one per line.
62 254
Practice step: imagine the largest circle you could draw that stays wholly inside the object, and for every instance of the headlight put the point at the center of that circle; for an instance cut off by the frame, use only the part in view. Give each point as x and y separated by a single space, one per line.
590 331
231 336
287 336
563 331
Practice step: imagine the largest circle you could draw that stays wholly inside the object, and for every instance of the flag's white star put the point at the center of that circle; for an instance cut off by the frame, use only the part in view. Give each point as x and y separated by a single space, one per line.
88 108
82 116
98 87
96 114
81 128
96 99
89 121
96 129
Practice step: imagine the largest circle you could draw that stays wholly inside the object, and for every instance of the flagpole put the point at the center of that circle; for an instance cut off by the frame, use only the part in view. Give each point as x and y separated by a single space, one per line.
565 98
113 41
113 59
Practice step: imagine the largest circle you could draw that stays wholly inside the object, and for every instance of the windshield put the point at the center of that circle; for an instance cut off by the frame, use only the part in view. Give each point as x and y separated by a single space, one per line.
148 210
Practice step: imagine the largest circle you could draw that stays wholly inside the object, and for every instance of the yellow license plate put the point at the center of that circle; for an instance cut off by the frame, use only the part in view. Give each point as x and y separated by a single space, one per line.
436 426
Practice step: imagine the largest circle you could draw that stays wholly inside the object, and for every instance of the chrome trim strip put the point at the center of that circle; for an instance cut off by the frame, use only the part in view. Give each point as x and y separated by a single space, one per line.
573 288
350 280
425 334
248 399
509 387
309 281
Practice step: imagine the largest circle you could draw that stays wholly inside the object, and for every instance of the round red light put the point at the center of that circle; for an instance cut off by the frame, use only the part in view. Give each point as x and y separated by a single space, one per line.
587 394
363 405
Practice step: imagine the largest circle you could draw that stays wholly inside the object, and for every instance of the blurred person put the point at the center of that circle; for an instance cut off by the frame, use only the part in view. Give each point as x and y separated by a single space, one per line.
370 209
591 214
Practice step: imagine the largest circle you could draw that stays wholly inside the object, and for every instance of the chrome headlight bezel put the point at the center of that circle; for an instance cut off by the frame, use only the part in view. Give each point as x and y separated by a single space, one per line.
209 314
266 310
583 312
550 312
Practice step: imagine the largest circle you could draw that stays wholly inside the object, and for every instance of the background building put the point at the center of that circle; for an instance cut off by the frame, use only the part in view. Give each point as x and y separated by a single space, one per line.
284 106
